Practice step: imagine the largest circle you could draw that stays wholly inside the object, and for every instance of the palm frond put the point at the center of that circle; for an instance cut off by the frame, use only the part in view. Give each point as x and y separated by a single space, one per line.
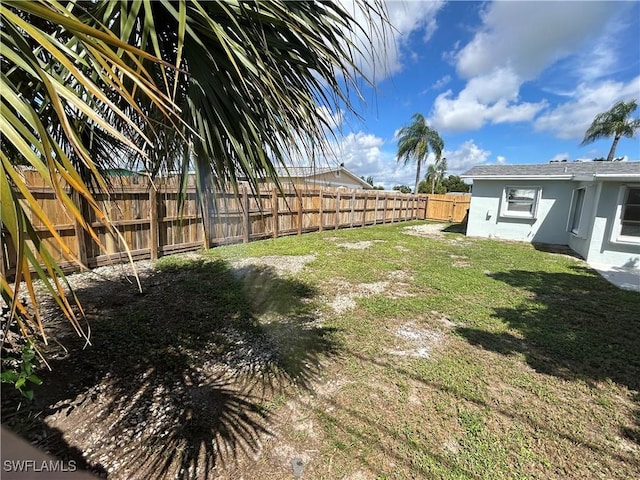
230 88
414 142
58 88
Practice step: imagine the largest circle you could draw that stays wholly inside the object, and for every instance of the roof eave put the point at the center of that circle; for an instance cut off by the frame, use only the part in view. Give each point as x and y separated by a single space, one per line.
518 177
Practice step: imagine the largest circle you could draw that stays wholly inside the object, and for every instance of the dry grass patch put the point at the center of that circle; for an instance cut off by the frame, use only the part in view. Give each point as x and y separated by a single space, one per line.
349 363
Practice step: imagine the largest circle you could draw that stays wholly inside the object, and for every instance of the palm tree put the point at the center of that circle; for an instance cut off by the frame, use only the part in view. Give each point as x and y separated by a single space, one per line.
230 88
436 172
614 122
414 141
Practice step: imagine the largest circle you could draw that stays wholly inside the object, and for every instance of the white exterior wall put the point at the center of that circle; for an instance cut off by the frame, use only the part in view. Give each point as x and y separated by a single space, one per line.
326 179
601 249
549 226
332 179
594 238
580 242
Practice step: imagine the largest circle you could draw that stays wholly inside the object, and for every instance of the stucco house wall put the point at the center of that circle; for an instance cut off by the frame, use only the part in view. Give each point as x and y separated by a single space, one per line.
338 177
334 178
603 249
594 230
579 242
548 226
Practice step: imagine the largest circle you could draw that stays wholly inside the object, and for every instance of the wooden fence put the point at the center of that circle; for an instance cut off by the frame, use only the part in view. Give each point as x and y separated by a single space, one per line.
448 208
147 215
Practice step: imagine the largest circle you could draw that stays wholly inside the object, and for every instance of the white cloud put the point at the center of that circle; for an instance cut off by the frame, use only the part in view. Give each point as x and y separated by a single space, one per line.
365 154
500 160
529 36
489 98
571 119
333 119
441 82
385 56
558 157
360 152
465 157
516 42
597 62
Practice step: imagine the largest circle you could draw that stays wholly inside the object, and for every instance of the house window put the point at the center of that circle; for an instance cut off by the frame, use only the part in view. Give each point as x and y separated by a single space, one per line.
520 202
627 227
576 210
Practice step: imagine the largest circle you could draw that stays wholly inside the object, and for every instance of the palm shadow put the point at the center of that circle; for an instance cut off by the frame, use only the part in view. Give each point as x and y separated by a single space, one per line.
575 326
179 380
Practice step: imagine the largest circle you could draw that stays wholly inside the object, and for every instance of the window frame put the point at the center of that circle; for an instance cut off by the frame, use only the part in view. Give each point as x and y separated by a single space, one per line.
572 228
532 214
616 235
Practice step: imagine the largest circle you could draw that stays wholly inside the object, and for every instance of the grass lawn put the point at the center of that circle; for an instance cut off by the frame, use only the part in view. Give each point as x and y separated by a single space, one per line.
395 351
464 358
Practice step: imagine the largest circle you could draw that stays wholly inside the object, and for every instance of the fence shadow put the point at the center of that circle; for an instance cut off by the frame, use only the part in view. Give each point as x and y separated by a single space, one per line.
585 329
179 380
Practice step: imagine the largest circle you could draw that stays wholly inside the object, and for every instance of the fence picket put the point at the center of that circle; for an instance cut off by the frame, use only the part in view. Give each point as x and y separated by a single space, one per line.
148 215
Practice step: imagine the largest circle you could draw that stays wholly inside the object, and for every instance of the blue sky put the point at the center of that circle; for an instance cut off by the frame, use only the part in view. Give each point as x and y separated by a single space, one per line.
502 82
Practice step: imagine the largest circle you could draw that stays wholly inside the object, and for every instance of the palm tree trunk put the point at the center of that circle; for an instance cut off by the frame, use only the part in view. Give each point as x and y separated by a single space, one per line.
415 190
613 147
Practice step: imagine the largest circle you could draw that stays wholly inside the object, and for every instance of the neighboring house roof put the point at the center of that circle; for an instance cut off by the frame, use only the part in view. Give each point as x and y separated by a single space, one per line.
311 172
557 171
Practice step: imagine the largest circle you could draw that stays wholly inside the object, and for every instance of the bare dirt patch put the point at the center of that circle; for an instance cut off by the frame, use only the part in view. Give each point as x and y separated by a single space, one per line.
280 263
347 293
415 341
460 261
346 301
437 231
359 245
429 230
183 379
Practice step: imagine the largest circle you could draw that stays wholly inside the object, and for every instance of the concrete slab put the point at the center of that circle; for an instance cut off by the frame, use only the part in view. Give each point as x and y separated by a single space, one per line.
625 278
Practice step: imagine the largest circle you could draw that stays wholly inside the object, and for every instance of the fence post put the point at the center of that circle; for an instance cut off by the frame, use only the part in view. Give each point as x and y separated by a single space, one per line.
153 222
375 209
426 206
81 203
393 210
245 215
353 209
337 219
453 210
364 208
321 212
384 211
274 212
300 211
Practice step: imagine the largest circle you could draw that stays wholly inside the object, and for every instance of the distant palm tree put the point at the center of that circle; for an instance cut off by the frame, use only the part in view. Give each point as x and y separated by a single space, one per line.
614 122
229 88
414 142
436 172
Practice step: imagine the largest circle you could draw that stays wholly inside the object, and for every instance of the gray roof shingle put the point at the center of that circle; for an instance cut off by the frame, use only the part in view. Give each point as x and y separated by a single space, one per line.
556 169
305 171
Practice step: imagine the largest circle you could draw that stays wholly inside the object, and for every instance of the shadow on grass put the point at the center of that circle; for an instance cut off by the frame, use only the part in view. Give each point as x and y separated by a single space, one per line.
457 468
575 326
182 378
456 228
